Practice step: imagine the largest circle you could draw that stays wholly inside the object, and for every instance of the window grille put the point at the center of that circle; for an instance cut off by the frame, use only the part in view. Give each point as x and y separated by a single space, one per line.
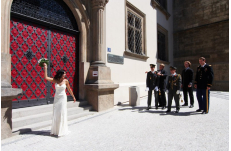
134 30
50 11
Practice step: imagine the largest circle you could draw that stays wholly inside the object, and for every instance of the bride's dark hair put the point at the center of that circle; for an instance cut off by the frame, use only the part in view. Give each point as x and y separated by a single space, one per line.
59 74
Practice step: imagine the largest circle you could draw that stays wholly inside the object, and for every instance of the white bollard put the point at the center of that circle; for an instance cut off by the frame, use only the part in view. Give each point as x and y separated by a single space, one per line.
134 96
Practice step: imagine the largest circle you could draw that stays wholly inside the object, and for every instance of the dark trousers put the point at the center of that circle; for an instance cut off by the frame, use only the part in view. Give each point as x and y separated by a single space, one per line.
162 98
172 94
203 97
150 98
186 91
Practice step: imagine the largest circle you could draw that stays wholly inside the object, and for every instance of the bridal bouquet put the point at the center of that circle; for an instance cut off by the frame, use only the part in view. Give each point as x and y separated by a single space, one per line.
43 60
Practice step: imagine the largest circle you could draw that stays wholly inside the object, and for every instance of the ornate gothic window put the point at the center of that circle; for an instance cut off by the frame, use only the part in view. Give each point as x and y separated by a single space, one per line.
135 32
52 12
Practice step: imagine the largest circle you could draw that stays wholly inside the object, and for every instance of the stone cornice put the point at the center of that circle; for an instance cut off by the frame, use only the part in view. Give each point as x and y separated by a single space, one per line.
155 5
99 3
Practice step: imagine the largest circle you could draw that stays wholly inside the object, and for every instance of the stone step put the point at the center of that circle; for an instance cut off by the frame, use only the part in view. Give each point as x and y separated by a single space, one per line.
35 126
44 116
35 110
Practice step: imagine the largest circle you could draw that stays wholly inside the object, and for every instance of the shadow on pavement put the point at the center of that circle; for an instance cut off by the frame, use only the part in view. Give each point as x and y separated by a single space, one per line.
181 113
143 109
28 131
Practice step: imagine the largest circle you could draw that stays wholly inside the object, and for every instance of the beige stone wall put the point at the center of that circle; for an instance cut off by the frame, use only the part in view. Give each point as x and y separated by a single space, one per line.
132 72
202 29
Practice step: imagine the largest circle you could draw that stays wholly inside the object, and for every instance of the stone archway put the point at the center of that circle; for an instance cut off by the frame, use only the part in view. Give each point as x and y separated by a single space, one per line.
83 22
8 93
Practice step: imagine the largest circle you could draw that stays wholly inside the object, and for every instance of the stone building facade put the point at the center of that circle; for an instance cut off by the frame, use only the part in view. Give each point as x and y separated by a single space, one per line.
201 28
115 41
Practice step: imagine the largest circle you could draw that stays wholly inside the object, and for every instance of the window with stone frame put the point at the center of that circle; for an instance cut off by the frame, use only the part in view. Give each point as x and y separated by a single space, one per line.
135 32
162 43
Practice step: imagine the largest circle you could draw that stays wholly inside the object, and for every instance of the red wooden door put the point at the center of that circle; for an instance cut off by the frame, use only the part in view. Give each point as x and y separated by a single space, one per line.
63 48
30 42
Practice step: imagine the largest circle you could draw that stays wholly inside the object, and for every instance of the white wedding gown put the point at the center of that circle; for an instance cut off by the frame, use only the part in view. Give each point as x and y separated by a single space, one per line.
59 122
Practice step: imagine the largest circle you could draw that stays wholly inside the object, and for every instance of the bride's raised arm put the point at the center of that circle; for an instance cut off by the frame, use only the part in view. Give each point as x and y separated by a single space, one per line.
45 74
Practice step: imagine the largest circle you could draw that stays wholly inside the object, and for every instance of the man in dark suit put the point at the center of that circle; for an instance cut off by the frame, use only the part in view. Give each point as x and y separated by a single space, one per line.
203 83
151 84
173 89
187 78
162 74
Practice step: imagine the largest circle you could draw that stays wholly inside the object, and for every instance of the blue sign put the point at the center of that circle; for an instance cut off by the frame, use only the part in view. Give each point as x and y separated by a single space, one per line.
108 49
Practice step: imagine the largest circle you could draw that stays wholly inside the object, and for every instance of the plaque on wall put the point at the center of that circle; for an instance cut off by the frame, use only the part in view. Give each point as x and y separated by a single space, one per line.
115 59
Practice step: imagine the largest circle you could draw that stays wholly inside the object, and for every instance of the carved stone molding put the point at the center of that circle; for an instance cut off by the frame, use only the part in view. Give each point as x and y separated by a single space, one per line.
99 3
155 5
131 54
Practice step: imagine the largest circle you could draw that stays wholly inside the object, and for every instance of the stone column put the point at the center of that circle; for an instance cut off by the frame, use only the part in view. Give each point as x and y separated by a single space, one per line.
99 87
7 92
97 31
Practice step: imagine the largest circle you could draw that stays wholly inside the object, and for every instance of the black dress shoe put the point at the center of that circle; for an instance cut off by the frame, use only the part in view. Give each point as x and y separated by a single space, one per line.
199 110
156 107
148 108
177 111
191 106
185 104
168 111
163 107
204 112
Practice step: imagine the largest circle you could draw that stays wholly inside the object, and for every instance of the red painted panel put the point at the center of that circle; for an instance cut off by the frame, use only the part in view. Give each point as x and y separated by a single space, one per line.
63 45
27 38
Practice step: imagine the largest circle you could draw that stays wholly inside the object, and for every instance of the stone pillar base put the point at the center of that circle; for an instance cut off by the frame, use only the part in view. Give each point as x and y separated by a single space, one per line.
99 75
7 95
101 96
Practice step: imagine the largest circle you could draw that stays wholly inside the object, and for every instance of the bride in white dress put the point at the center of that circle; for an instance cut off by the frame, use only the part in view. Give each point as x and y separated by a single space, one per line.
59 122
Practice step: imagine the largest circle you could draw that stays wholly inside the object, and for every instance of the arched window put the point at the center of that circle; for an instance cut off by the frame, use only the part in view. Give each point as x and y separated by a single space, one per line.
42 29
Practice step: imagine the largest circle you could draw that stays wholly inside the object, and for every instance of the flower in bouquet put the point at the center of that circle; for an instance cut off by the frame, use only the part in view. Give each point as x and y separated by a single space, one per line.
42 61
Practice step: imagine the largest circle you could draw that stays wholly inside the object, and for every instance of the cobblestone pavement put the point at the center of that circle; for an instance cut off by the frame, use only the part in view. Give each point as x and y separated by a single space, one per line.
133 128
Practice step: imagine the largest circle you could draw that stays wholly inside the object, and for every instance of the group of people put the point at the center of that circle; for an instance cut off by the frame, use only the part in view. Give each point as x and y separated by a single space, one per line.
155 81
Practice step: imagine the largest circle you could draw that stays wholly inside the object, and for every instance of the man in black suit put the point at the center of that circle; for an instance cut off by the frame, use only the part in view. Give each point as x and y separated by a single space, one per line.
203 83
173 89
162 74
151 84
187 78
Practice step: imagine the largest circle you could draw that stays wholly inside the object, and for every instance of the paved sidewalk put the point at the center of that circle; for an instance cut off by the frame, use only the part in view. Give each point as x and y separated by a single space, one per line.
133 128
